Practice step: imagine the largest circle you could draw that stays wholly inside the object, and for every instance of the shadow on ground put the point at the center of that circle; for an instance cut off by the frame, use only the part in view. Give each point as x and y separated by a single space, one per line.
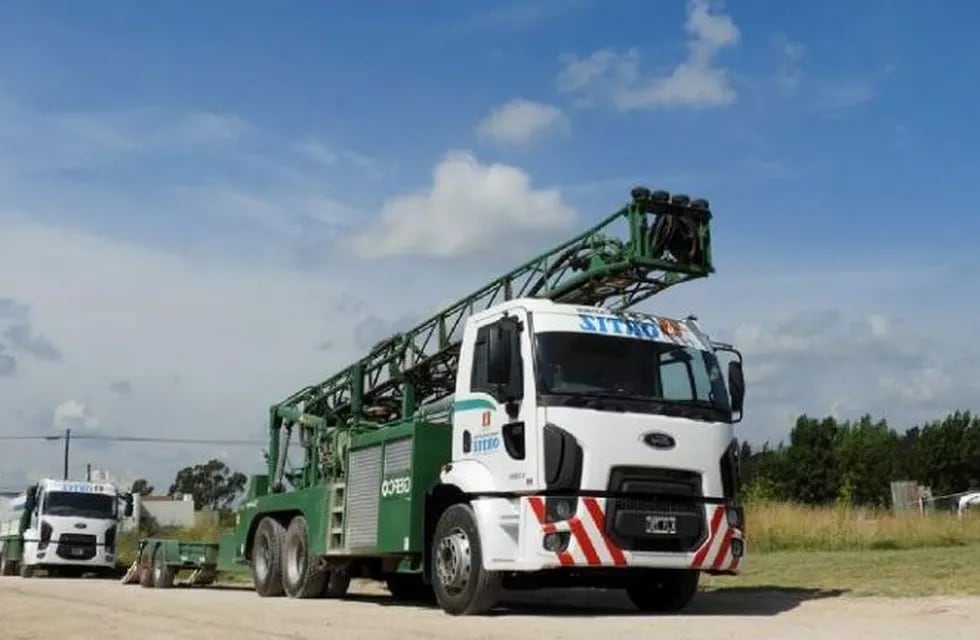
585 603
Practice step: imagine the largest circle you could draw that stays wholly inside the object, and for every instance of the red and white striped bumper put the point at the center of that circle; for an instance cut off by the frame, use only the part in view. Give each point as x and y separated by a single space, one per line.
589 546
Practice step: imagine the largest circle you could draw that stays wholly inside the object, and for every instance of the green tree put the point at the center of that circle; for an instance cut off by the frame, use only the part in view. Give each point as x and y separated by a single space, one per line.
867 455
212 484
811 460
141 487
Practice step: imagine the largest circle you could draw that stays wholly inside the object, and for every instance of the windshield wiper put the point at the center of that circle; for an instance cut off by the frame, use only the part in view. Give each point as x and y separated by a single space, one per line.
587 400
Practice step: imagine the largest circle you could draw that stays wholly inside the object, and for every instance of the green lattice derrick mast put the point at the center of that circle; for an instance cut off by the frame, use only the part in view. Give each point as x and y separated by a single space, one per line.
653 242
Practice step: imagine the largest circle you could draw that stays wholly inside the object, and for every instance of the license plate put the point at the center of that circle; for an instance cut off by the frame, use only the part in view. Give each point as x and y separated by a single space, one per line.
78 552
661 525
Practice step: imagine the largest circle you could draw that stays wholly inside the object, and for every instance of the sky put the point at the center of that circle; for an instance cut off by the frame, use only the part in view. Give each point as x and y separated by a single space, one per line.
204 207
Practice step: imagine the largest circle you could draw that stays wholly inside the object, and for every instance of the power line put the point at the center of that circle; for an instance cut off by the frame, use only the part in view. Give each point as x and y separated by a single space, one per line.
75 436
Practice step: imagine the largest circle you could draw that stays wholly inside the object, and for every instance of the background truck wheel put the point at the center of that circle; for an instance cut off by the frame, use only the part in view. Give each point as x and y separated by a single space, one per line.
163 575
302 577
26 571
145 573
461 585
663 590
7 566
267 558
336 584
409 587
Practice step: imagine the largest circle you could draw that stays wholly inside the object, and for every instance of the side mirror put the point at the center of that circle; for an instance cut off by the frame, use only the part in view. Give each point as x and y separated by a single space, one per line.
736 386
128 508
30 501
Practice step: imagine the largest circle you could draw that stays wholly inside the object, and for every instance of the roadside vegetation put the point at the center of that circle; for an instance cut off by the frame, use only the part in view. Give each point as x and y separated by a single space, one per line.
856 550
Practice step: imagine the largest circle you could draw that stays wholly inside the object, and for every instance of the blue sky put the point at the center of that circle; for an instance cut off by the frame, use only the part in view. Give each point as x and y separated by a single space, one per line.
215 203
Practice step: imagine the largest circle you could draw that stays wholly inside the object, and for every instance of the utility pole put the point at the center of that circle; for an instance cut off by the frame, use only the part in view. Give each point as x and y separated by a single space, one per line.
88 472
67 442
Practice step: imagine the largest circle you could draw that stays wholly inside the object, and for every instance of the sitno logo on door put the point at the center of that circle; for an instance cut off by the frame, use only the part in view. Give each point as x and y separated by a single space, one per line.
396 486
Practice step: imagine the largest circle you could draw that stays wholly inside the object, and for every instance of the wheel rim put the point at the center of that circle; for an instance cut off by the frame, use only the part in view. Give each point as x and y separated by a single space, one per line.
454 561
261 558
295 560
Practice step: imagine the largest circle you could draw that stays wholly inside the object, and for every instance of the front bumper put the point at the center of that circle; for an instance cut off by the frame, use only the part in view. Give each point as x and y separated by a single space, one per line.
519 534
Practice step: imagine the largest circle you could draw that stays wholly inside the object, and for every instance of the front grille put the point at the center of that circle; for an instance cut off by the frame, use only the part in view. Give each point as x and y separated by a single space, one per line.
76 546
654 494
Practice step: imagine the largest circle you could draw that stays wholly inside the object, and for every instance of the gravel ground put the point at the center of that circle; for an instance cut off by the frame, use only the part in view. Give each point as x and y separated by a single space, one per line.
103 609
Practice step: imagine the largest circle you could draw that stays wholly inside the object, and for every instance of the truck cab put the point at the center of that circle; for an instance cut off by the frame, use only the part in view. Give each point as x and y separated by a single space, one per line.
71 527
593 446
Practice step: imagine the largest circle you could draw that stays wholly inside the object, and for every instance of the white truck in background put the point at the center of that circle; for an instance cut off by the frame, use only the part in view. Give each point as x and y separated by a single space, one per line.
65 527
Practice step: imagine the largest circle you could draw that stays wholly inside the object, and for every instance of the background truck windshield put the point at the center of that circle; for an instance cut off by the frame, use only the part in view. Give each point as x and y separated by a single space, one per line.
79 505
577 365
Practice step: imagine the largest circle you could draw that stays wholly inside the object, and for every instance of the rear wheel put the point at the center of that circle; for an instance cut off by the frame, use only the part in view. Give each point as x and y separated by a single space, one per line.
461 585
26 571
302 577
267 558
663 590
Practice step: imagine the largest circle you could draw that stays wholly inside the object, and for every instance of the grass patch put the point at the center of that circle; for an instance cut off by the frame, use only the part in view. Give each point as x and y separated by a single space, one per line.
906 572
791 527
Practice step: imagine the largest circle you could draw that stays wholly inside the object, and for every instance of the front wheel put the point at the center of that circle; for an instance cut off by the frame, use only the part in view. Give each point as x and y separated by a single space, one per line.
461 585
663 590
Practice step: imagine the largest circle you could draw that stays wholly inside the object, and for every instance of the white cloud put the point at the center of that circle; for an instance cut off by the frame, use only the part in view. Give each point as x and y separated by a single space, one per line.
520 121
844 94
695 82
205 345
72 414
789 74
471 207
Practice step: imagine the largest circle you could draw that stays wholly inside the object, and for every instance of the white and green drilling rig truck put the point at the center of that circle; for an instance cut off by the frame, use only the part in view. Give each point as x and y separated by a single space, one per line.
539 432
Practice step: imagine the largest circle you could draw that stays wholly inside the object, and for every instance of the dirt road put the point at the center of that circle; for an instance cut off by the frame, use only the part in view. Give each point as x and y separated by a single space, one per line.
67 609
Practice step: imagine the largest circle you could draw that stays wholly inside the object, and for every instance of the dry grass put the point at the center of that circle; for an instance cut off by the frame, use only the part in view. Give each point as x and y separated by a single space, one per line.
789 527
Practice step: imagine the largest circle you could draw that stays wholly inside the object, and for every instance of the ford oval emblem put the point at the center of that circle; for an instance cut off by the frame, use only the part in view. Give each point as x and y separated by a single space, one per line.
80 525
659 440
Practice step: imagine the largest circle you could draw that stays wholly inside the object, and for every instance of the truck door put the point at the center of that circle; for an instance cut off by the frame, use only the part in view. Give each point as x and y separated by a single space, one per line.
497 417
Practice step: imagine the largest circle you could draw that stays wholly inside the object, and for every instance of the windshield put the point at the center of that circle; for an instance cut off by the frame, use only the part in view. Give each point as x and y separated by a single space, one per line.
79 505
606 372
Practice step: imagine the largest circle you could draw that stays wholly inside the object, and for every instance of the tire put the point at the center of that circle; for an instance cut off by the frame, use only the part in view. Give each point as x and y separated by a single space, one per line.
409 587
301 577
663 590
336 583
460 583
267 558
163 574
26 570
7 566
145 573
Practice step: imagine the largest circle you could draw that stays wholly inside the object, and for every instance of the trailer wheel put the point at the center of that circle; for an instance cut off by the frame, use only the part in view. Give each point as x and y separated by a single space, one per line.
267 558
302 575
663 590
26 570
461 585
163 574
